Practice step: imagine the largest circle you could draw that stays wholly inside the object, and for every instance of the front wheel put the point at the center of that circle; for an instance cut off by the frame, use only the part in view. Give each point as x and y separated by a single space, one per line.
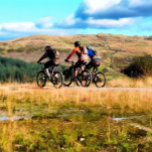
67 77
85 78
41 79
99 79
57 79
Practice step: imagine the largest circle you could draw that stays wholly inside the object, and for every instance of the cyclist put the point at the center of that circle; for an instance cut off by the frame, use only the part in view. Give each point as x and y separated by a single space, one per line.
81 54
52 56
91 53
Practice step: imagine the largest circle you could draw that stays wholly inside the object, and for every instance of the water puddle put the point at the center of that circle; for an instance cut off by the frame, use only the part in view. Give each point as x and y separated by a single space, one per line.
119 119
13 118
127 118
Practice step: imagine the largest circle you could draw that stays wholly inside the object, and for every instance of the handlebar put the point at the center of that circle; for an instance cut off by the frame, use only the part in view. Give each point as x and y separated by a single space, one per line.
72 62
40 63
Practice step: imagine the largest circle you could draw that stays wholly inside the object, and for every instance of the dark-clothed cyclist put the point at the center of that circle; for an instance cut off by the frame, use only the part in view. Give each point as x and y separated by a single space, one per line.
52 56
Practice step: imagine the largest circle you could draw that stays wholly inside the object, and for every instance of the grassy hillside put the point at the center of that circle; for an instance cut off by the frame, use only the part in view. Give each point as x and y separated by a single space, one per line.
105 44
117 51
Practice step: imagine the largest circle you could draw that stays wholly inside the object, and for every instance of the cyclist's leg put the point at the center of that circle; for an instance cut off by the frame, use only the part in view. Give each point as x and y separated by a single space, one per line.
77 65
90 65
54 67
46 67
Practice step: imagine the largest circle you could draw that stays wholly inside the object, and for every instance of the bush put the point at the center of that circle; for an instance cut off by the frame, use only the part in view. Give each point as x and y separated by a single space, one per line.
142 66
149 38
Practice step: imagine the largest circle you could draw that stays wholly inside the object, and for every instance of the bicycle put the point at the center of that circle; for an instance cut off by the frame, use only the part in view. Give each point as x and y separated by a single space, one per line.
83 77
56 77
98 78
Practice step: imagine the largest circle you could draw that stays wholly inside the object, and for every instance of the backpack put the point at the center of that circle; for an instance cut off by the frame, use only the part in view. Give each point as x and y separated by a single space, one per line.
91 53
81 49
53 53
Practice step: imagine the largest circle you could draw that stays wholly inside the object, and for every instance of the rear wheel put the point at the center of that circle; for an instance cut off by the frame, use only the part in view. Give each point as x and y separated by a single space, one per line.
57 79
99 79
41 79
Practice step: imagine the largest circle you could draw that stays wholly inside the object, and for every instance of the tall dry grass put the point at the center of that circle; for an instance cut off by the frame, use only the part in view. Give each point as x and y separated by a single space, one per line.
131 83
138 100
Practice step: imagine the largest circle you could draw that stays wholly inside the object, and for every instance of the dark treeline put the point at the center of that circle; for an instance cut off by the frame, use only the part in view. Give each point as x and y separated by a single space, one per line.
16 70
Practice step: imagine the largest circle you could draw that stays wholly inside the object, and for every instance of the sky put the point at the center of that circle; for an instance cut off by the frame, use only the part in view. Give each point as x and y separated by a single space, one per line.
20 18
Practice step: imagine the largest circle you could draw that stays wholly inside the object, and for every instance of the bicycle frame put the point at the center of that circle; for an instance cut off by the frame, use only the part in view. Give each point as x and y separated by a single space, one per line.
53 69
52 78
72 70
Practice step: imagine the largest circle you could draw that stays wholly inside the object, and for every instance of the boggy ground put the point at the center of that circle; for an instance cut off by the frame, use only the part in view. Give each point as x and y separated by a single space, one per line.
74 119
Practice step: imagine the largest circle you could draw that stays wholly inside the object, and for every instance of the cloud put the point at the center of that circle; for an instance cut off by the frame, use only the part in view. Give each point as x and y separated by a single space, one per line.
110 23
40 25
93 6
12 30
68 21
107 14
71 22
18 26
43 26
114 9
139 3
44 22
78 23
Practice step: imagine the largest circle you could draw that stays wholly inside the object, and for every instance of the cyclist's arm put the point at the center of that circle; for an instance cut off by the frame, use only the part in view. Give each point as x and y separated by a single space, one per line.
43 57
71 54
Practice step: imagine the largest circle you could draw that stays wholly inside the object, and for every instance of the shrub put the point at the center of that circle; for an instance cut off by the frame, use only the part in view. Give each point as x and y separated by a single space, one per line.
149 38
141 66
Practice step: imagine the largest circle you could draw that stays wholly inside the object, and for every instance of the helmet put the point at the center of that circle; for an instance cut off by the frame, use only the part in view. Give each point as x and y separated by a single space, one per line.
77 43
47 47
88 47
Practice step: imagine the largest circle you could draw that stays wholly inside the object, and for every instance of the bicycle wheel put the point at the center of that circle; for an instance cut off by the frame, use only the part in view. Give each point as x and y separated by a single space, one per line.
79 77
99 79
67 78
57 79
41 79
85 78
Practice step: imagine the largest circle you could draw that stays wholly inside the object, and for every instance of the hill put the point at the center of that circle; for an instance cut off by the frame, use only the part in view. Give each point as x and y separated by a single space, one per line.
117 51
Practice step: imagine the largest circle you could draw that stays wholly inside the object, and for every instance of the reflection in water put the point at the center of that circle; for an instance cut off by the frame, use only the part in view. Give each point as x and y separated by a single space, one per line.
131 117
120 119
13 118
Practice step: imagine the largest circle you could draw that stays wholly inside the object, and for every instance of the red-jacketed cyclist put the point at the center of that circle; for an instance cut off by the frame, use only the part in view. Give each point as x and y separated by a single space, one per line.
80 52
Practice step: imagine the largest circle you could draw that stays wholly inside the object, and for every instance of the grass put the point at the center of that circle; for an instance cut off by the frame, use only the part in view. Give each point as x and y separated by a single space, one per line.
74 119
125 82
